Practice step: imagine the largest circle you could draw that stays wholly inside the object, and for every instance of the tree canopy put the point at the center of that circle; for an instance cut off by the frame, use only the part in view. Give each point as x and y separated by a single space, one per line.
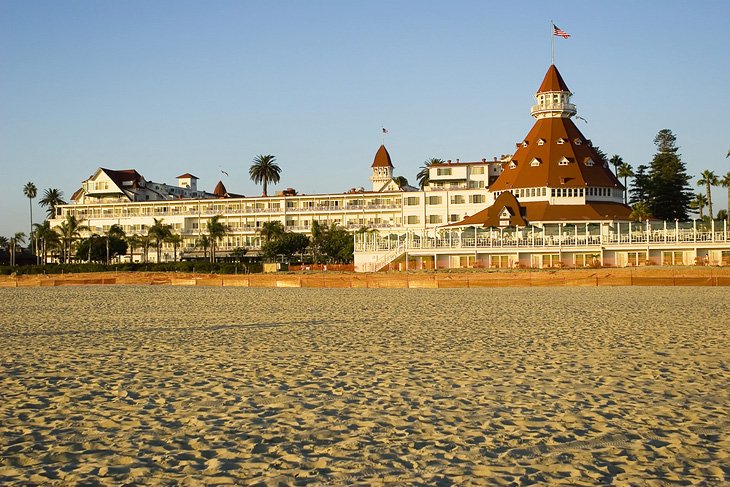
669 190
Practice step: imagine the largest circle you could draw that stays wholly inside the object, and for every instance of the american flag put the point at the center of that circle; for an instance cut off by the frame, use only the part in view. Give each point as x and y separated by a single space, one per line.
557 31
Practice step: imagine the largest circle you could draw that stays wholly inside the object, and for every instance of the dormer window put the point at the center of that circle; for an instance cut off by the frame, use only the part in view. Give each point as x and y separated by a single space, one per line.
563 162
589 143
541 142
525 143
577 141
561 141
535 162
588 162
512 164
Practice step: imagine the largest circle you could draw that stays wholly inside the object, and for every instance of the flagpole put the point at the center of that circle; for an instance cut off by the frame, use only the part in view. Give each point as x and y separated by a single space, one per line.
552 43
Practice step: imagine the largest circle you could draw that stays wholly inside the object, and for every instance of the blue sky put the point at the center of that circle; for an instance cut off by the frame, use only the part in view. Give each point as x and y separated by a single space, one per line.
168 87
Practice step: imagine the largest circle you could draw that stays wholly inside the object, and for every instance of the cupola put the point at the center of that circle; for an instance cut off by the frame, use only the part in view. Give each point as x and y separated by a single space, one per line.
553 97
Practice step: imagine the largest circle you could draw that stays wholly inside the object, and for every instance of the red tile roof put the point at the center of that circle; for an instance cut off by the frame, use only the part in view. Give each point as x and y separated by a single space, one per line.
549 173
553 81
220 190
382 158
542 211
187 175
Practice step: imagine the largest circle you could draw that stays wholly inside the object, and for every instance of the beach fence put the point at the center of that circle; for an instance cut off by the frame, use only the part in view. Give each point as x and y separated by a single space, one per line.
693 276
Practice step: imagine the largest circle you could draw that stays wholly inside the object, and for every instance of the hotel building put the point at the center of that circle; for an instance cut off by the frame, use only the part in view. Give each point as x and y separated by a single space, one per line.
554 202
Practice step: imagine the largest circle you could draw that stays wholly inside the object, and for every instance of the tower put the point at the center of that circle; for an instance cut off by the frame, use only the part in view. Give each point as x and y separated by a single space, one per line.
382 169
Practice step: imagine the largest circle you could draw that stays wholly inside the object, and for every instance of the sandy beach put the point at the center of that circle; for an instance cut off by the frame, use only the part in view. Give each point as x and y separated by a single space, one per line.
148 385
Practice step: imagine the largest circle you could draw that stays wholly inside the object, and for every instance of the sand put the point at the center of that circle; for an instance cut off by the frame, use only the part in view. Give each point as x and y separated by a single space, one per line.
148 385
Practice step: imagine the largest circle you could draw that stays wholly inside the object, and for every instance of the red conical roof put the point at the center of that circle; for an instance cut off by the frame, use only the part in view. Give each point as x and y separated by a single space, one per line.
382 158
220 190
553 81
551 141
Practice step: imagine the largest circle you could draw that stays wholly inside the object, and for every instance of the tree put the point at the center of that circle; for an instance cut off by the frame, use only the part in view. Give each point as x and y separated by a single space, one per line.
264 170
30 191
331 244
47 238
271 231
133 242
639 192
175 240
616 161
144 243
401 181
51 199
216 231
423 177
204 242
725 183
15 242
116 243
699 203
158 232
286 244
640 212
5 244
70 231
708 179
669 190
625 171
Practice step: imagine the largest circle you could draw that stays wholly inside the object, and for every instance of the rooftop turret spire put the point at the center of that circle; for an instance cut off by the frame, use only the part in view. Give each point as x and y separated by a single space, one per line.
553 97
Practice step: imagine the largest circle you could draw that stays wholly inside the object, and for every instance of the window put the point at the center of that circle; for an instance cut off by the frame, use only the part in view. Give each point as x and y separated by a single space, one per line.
552 192
544 191
413 201
550 260
453 217
672 258
413 220
512 164
477 198
434 200
636 258
586 260
434 219
535 162
500 261
477 170
525 143
577 141
541 142
443 171
561 141
564 161
589 162
458 199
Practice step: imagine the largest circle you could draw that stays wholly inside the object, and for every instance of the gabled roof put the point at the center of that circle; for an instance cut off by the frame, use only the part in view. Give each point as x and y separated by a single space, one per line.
77 194
553 81
550 173
382 158
542 211
187 175
123 175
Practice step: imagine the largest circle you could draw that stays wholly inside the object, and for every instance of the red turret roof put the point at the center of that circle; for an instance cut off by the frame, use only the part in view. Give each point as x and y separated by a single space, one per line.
186 176
553 81
220 190
551 141
382 158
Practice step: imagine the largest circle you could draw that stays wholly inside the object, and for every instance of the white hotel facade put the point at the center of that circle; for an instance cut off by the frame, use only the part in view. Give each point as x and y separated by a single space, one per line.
554 202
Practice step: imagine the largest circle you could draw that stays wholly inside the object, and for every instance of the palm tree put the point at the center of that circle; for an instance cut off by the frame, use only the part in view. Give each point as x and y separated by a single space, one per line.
625 171
114 232
271 230
725 183
51 199
616 161
30 191
204 242
216 231
47 237
264 170
159 231
708 179
422 176
175 240
15 241
133 242
401 181
70 230
144 243
640 212
699 203
4 243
